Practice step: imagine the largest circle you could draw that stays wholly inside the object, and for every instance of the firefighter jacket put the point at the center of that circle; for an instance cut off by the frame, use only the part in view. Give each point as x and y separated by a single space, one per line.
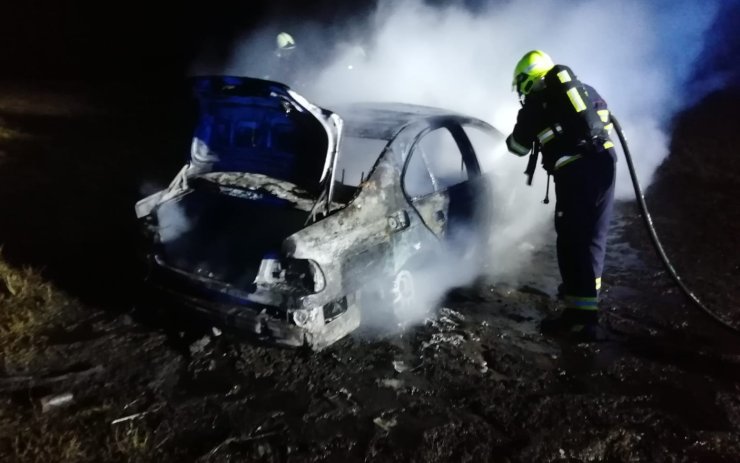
566 118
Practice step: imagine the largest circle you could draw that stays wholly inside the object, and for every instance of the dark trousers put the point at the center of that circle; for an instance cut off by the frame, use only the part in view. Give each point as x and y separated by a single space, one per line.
585 199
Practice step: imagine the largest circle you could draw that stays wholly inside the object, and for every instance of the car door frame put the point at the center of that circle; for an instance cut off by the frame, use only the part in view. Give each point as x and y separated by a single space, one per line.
469 159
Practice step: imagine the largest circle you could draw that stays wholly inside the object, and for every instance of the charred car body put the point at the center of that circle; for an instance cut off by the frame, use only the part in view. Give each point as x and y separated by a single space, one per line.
287 216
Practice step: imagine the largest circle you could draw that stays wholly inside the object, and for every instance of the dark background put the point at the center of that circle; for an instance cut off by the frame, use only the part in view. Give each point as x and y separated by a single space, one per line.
75 40
117 40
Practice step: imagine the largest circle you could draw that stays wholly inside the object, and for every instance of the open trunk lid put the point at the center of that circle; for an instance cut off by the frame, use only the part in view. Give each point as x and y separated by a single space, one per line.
262 127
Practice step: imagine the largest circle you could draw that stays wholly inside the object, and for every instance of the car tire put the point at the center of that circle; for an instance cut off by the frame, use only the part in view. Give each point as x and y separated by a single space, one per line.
390 302
404 300
399 299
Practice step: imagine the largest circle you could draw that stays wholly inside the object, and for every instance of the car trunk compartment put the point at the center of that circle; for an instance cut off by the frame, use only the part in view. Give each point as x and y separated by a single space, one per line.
222 237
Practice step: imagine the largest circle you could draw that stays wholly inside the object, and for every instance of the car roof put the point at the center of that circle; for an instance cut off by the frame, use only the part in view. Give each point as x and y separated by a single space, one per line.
384 120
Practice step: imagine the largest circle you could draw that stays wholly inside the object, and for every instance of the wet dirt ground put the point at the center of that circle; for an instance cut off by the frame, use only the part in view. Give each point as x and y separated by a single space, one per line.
476 382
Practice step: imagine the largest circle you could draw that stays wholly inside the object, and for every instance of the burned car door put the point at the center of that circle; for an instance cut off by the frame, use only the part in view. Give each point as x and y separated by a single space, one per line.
437 180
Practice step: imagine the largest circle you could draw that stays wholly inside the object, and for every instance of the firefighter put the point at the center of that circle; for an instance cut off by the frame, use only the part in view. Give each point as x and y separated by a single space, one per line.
284 45
569 123
281 65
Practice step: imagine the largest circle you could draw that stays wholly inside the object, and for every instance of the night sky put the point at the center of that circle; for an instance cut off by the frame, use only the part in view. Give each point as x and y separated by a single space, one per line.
74 40
81 40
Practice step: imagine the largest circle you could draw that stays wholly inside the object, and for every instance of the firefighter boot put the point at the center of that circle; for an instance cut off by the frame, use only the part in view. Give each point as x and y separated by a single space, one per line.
577 324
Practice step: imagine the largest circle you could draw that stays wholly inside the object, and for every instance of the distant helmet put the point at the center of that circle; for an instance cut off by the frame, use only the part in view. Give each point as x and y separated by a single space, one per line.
285 41
532 67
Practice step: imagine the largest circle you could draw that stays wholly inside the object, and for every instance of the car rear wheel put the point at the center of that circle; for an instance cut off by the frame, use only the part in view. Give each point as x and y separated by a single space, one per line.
411 294
404 294
391 302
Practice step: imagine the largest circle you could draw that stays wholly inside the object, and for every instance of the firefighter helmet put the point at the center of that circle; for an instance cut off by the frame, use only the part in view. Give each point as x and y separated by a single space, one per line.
285 41
531 68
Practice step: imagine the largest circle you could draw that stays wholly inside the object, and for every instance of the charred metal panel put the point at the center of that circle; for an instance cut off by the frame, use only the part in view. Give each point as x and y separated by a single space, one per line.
433 210
178 186
356 270
362 225
261 187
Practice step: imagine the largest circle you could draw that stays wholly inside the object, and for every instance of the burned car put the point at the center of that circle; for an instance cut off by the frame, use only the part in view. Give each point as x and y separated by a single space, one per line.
289 221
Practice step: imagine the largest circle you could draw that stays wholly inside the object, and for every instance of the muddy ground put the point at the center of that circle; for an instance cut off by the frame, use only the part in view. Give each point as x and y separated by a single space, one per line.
477 382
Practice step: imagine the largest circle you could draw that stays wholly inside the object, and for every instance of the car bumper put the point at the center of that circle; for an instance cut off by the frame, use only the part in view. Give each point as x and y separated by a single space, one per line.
268 323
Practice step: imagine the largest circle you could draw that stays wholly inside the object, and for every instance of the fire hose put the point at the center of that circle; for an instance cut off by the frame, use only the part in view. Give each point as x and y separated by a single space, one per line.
654 236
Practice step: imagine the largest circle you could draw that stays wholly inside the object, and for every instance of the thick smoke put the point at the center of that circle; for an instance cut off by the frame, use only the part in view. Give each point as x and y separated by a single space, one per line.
637 54
173 222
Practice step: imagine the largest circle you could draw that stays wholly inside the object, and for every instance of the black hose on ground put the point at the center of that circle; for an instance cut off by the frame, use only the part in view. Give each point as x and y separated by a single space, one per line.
654 236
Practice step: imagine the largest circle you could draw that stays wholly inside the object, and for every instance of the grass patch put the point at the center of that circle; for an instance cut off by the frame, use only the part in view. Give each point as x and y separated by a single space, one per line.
130 440
44 444
28 307
8 134
82 436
